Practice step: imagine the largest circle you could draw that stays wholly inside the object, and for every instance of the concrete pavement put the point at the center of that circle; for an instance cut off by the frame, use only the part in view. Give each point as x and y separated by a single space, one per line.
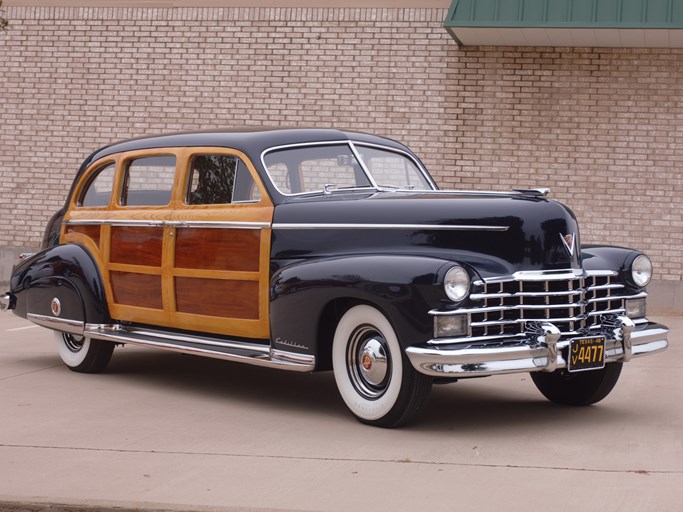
165 431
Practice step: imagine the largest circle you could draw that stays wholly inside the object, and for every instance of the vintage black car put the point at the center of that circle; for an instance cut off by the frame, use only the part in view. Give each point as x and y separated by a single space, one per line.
320 249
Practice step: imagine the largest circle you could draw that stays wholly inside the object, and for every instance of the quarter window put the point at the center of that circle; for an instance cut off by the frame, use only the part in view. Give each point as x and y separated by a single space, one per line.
97 192
220 179
148 181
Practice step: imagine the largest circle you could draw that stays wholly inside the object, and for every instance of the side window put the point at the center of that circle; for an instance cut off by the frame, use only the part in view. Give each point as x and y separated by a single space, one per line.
220 179
148 181
97 192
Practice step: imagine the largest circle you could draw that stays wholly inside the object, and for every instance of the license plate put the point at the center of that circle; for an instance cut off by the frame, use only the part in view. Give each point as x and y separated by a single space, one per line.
586 354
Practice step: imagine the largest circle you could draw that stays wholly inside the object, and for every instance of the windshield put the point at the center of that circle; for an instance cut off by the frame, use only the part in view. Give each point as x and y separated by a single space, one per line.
330 167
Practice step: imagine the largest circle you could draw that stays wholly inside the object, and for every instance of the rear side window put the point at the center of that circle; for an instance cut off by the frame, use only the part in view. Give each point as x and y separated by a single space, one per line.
97 192
220 179
148 181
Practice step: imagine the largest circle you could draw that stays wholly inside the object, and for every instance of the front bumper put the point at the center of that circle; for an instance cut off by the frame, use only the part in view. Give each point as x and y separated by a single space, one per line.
540 350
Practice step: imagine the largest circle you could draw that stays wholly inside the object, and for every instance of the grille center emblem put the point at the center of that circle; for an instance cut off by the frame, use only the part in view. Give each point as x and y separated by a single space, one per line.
569 242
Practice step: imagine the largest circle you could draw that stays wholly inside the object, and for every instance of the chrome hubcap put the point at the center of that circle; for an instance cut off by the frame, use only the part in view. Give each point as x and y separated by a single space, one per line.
369 362
73 343
374 362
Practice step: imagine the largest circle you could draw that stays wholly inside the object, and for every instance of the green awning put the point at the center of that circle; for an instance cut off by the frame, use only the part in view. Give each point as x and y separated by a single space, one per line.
593 23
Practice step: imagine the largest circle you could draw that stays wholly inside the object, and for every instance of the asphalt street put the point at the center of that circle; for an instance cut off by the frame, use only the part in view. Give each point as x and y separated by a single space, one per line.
165 431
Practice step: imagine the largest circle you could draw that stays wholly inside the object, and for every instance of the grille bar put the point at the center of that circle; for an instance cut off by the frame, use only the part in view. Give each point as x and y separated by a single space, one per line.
572 300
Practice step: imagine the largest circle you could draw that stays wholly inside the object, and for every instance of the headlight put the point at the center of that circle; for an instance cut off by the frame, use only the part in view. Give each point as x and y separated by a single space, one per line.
456 284
641 270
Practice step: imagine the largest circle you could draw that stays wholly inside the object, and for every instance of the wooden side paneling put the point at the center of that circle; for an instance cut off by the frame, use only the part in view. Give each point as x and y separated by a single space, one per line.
132 289
217 297
136 245
92 232
218 249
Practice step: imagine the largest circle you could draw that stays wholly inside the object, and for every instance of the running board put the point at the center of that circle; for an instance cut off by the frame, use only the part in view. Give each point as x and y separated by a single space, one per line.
238 351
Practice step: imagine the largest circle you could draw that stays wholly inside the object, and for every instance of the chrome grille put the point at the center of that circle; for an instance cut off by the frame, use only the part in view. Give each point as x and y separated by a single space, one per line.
574 305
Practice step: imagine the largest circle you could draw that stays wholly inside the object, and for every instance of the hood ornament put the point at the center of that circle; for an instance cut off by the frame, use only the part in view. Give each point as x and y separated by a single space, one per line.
569 242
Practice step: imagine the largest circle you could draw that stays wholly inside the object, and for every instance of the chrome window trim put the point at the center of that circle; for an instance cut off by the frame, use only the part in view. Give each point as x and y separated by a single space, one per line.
417 163
350 143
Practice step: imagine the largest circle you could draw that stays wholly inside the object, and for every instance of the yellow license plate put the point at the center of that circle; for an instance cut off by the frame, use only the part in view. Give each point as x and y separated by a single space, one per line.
586 354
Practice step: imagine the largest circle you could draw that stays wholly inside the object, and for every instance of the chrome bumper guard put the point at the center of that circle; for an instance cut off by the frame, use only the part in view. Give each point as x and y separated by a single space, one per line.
542 349
6 302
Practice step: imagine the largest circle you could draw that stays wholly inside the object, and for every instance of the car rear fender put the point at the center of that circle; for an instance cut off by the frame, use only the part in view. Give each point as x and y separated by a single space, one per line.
60 287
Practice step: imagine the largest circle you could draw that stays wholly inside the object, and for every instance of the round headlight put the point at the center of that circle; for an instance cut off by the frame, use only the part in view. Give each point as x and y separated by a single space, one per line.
456 284
641 270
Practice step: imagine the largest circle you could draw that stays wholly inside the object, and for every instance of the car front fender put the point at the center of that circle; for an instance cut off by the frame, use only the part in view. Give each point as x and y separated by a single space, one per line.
308 297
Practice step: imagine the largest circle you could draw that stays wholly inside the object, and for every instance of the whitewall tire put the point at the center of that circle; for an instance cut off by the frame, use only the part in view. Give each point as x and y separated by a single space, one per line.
83 354
374 377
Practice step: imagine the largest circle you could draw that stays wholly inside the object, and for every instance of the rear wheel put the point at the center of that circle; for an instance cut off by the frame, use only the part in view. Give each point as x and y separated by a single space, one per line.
82 354
373 375
583 388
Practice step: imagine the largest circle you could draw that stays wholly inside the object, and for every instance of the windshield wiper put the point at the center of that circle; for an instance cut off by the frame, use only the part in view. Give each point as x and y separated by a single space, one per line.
331 188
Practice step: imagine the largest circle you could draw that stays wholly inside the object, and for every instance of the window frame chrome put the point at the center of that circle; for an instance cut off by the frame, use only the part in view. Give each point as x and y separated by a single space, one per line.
352 145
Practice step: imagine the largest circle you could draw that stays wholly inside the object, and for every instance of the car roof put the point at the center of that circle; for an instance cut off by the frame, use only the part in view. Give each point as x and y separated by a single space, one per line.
251 140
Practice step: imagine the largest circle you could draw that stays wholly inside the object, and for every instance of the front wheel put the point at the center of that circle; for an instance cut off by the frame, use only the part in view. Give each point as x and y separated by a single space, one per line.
82 354
583 388
374 377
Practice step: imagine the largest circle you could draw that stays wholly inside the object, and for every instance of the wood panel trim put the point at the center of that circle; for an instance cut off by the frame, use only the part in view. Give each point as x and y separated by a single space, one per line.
216 274
134 269
136 245
140 290
89 231
217 249
218 298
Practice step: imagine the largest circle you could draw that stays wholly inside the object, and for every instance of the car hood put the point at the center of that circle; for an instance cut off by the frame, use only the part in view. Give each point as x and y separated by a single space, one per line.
495 234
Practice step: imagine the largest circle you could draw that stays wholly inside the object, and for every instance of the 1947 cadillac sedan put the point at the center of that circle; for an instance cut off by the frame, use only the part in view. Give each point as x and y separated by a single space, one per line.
320 249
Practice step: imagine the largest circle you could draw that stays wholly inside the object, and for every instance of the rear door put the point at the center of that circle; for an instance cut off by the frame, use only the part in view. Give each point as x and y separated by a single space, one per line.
181 236
220 239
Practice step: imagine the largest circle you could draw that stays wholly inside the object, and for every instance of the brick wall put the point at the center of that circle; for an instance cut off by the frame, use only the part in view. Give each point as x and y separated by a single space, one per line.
602 127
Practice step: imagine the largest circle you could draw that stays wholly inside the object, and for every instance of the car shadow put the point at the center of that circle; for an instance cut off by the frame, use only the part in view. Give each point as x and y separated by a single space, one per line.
463 406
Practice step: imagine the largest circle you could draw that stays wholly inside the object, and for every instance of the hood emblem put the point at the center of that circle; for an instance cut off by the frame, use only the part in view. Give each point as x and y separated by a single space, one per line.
569 242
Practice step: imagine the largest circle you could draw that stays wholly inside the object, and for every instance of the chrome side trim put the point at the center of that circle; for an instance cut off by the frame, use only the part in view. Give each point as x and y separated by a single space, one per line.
170 223
115 222
186 338
430 227
57 324
218 224
228 350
